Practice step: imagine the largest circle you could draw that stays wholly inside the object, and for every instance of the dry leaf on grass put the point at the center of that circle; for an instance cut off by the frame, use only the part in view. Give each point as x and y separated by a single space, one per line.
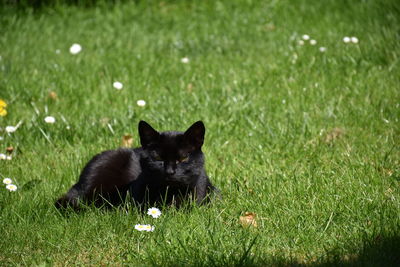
127 140
9 149
334 134
249 219
104 121
270 27
387 172
189 87
53 95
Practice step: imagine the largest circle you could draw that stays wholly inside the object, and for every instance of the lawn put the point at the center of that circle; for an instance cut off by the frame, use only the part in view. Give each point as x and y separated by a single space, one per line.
304 134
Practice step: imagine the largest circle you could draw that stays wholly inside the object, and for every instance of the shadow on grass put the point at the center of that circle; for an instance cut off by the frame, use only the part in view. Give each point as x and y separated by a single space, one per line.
383 250
380 251
38 4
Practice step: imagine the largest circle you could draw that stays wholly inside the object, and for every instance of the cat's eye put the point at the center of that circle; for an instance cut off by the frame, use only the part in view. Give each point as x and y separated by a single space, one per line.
157 158
184 159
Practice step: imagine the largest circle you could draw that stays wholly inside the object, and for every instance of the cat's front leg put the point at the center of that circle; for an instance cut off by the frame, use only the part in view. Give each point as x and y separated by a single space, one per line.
203 187
205 191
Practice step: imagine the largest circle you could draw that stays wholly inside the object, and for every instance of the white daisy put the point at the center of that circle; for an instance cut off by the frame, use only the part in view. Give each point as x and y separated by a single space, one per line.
141 103
8 158
322 49
301 42
11 187
154 212
354 40
185 60
313 42
3 156
75 49
118 85
7 181
50 119
149 228
306 37
346 39
139 227
144 227
11 129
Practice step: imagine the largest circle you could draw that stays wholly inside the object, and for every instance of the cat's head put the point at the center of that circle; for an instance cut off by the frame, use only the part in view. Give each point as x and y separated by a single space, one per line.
174 150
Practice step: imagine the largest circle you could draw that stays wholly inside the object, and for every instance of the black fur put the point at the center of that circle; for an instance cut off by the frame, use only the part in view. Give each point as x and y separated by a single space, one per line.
168 168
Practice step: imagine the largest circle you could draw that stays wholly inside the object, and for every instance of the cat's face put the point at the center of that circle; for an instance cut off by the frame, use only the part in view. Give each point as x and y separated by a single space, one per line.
173 152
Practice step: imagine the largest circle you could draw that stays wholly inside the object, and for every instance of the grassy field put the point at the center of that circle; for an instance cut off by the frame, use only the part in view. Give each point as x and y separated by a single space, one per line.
308 140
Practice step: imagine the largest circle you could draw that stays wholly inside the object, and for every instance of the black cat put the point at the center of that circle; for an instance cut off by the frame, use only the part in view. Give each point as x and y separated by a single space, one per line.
167 169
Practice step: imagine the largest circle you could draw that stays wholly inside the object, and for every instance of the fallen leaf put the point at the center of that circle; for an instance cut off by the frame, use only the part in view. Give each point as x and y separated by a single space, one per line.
249 219
10 149
53 95
334 134
127 140
388 172
104 121
189 87
270 27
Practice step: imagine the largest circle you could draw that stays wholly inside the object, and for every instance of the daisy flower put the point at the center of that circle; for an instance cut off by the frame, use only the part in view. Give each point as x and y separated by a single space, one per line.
354 40
185 60
7 181
50 119
11 187
322 49
11 129
346 39
139 227
306 37
141 103
75 49
154 212
301 42
149 228
118 85
3 156
144 227
313 42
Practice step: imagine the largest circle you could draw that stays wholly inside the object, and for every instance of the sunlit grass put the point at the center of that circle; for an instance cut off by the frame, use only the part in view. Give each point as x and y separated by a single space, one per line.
306 139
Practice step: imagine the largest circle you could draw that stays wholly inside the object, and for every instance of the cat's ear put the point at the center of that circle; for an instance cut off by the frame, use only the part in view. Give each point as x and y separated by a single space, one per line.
147 134
194 136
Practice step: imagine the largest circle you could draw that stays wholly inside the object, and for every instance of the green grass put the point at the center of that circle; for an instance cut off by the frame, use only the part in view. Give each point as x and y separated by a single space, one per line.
268 104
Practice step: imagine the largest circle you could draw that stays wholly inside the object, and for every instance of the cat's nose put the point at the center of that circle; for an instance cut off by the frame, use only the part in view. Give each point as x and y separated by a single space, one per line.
170 169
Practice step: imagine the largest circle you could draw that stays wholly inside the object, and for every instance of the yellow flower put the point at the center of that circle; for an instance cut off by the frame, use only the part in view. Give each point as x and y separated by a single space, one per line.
3 105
